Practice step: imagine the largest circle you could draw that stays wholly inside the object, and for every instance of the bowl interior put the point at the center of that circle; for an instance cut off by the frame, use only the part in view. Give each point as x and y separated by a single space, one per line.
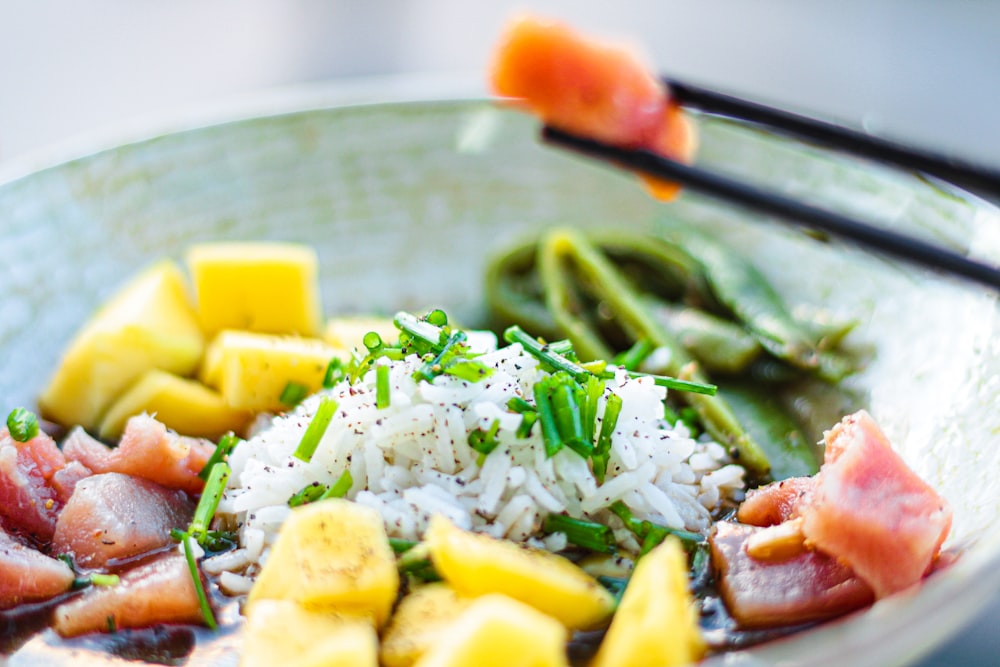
404 202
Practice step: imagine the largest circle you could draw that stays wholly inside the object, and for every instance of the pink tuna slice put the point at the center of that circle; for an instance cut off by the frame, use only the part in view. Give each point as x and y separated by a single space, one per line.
27 575
776 502
160 591
806 588
148 450
873 513
28 503
113 517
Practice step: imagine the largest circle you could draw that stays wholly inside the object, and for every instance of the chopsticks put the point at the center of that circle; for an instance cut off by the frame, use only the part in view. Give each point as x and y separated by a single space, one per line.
799 213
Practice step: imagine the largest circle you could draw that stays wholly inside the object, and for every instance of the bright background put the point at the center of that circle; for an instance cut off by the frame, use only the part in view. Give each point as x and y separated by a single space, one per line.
922 71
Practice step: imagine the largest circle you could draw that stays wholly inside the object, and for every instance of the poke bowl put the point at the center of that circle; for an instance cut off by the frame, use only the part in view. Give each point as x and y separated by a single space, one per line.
406 202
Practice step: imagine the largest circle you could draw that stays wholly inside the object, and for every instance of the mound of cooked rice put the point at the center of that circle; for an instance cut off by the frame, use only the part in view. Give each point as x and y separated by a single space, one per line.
412 459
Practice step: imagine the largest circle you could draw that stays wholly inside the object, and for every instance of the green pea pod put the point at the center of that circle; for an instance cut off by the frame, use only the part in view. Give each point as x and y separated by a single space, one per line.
720 345
784 441
514 293
743 290
564 254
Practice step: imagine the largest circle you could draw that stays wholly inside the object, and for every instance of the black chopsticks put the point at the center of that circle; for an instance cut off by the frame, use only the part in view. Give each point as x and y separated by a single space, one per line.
790 210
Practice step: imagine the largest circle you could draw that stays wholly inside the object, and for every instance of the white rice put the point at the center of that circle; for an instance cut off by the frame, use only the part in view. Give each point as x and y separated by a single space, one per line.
412 459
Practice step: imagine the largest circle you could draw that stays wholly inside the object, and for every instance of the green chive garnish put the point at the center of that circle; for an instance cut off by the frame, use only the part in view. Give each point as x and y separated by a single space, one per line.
372 341
544 353
437 317
22 424
486 441
317 427
550 430
633 357
309 493
586 534
223 449
669 382
602 450
339 488
334 373
199 589
382 392
209 501
293 393
528 420
652 534
400 546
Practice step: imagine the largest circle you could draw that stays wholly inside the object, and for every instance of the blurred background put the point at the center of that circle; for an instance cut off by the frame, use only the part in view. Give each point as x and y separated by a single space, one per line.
922 71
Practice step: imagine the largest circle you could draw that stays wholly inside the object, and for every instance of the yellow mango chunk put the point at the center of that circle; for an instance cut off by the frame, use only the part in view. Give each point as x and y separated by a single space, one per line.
256 286
251 370
184 405
656 624
476 564
331 556
347 332
420 621
498 631
150 323
282 632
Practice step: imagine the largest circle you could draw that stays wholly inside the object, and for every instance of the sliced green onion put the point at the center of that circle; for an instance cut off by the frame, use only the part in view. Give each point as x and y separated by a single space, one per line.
199 589
437 317
544 353
339 488
652 534
317 427
293 393
372 341
430 335
528 420
382 392
430 369
594 389
310 493
223 449
550 431
486 441
468 369
22 424
633 357
566 410
519 405
401 546
334 373
602 450
669 382
586 534
209 501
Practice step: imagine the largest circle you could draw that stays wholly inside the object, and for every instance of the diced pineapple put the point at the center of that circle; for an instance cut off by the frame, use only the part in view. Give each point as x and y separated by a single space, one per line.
348 331
498 631
251 370
419 622
186 406
150 323
256 286
331 556
476 564
656 624
282 632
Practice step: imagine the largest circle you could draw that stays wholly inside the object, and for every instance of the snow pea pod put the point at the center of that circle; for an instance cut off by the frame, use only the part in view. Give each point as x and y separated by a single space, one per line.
742 290
565 255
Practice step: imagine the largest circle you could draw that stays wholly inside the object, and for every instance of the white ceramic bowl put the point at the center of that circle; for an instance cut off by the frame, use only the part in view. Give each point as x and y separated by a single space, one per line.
404 201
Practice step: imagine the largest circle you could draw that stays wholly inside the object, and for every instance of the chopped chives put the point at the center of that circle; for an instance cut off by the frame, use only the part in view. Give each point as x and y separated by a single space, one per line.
334 373
199 589
566 410
382 390
586 534
372 341
223 449
435 366
430 335
22 424
486 441
317 427
528 420
550 431
209 501
468 369
593 391
519 405
437 317
401 546
293 393
309 493
543 353
668 382
652 534
339 488
602 450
